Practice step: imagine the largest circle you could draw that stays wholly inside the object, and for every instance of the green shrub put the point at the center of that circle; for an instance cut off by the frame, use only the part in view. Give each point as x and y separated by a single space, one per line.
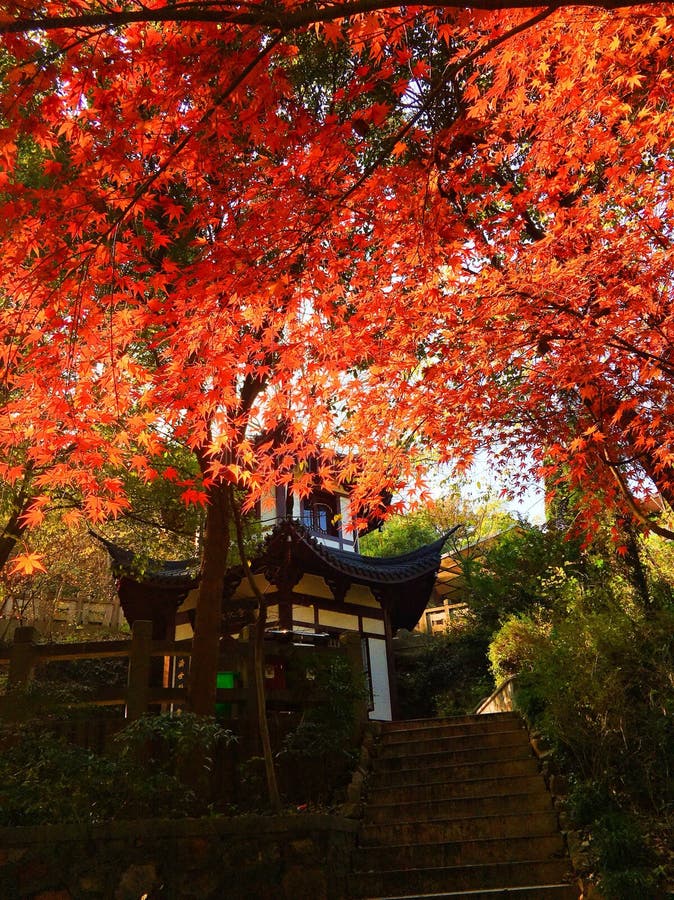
94 673
181 747
449 676
589 633
515 646
170 742
328 724
626 865
45 700
526 571
44 779
600 689
318 755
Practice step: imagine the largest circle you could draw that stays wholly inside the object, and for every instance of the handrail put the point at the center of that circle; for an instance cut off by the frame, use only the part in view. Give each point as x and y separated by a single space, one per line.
53 652
500 700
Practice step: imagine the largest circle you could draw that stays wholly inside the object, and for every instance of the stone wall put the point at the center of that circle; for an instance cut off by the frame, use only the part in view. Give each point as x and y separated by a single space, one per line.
292 857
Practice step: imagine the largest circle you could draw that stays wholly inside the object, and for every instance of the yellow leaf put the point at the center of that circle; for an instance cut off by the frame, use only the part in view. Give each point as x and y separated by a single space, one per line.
27 564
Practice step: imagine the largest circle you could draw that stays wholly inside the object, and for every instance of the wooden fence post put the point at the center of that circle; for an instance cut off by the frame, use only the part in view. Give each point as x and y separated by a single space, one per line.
138 688
22 657
252 728
351 642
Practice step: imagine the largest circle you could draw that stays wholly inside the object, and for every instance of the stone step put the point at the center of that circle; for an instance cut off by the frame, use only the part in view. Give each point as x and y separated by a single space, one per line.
459 807
450 728
412 724
537 892
446 790
458 771
467 829
456 853
455 743
492 755
521 873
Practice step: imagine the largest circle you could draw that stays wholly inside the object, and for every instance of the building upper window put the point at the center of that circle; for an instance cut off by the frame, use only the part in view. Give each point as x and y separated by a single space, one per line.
319 514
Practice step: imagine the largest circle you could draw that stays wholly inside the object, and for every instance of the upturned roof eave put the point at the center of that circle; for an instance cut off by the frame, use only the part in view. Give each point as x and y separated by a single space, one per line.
404 569
372 571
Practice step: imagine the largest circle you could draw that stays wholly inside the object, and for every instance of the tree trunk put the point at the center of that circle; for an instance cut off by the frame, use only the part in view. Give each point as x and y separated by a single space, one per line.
206 640
635 567
11 534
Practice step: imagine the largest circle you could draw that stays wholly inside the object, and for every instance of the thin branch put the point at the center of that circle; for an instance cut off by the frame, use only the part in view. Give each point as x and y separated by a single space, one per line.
134 517
450 70
633 506
616 343
235 83
619 343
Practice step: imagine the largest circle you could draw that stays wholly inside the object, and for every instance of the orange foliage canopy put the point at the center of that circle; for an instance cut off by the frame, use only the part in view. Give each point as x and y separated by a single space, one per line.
400 229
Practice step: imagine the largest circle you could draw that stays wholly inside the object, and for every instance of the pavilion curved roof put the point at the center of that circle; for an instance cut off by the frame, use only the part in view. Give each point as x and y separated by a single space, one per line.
177 574
369 570
401 583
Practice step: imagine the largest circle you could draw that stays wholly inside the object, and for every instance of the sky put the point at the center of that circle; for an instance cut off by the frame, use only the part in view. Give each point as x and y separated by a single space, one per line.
483 479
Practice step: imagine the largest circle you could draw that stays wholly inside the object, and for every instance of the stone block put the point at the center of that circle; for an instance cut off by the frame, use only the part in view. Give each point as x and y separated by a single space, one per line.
591 891
198 850
269 852
355 788
302 849
53 895
34 875
353 810
200 886
579 850
301 883
136 881
11 855
559 786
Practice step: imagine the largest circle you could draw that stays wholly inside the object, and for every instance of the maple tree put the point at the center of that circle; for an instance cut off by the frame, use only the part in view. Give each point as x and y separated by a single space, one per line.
565 334
364 228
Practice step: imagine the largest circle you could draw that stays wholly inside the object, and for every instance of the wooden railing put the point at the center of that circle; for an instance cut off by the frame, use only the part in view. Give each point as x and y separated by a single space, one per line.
157 685
439 619
501 700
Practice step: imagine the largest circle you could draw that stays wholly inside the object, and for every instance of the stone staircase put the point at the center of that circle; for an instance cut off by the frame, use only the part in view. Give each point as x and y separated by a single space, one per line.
458 809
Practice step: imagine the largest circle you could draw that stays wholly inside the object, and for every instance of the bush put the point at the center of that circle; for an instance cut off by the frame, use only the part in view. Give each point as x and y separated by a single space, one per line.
317 756
328 724
590 635
45 779
94 673
526 571
516 645
171 742
449 677
600 689
45 700
626 865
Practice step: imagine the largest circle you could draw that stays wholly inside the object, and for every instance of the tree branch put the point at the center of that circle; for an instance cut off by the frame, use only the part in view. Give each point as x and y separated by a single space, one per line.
235 82
633 506
275 18
451 69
